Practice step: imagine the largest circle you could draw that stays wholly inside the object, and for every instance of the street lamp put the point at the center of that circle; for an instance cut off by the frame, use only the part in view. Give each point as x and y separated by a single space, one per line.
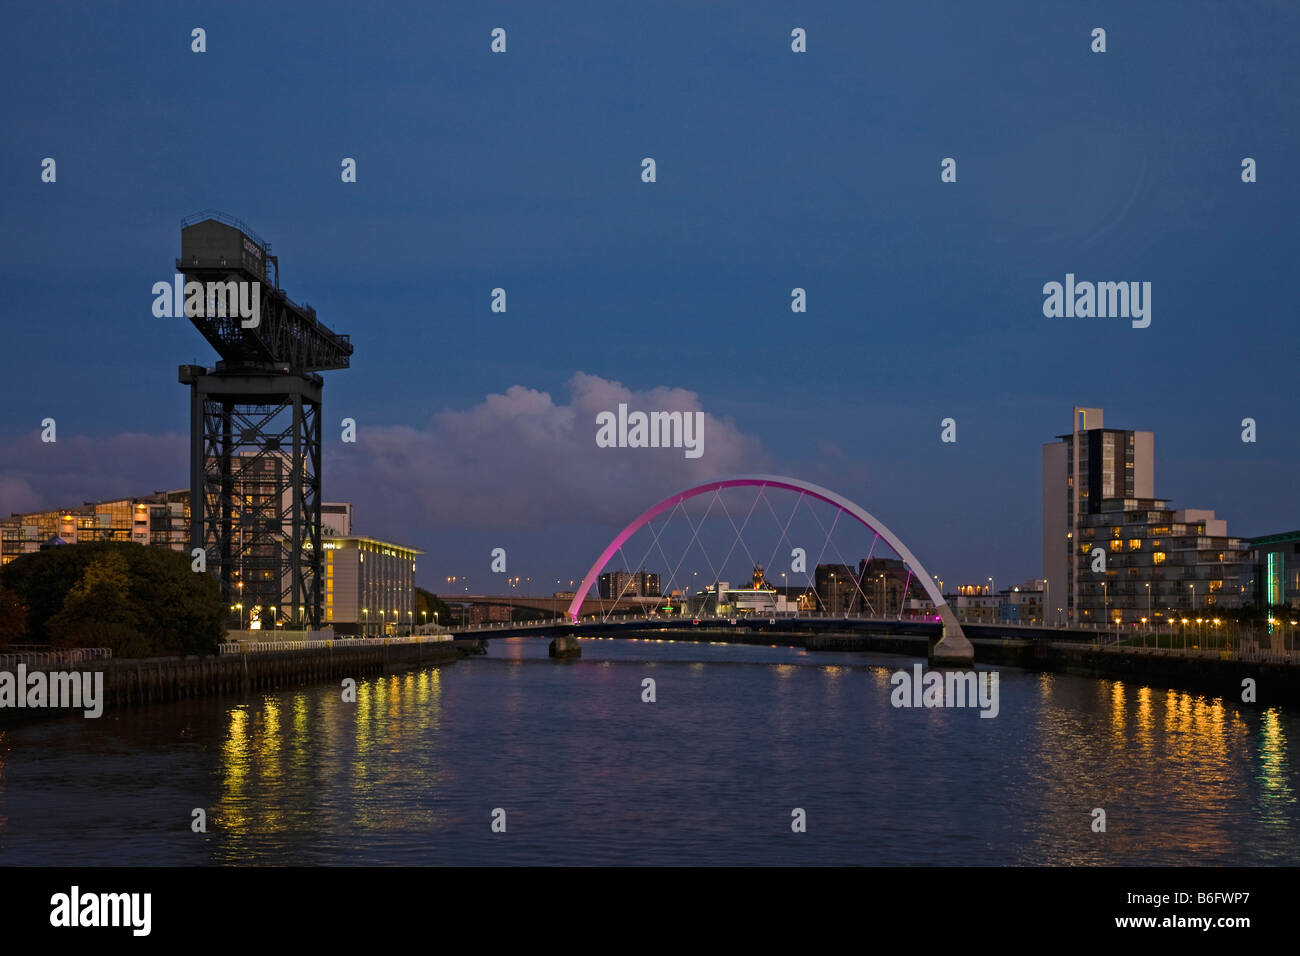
1148 602
365 622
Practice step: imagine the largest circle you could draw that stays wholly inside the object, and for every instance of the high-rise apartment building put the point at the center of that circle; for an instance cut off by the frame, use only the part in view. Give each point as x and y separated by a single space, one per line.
1115 553
1081 470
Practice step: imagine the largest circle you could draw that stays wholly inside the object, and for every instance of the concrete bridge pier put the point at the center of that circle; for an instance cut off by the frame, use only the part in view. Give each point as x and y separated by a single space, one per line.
565 646
952 649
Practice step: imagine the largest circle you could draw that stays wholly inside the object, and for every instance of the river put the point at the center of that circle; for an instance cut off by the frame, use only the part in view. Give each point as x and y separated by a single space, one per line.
710 773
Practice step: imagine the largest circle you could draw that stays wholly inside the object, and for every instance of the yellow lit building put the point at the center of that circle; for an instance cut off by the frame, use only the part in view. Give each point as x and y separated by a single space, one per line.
369 586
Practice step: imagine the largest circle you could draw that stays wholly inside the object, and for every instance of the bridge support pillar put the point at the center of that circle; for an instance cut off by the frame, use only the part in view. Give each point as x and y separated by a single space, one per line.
565 646
952 649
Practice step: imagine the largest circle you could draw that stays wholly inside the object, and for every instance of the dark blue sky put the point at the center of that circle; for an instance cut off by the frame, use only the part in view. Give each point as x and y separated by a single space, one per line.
775 170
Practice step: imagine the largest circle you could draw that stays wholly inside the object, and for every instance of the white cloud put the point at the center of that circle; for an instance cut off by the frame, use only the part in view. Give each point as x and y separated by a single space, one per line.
521 459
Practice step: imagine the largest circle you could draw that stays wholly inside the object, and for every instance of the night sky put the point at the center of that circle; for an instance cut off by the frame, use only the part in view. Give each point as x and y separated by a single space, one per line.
775 170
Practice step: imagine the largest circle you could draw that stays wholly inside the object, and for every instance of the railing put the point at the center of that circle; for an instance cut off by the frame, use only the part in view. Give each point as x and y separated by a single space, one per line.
1108 632
51 659
1250 654
256 647
228 220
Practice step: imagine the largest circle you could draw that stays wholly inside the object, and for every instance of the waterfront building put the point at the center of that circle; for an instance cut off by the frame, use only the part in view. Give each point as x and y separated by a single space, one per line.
1271 577
885 584
1022 604
1090 465
974 604
369 586
758 598
160 520
1161 563
836 588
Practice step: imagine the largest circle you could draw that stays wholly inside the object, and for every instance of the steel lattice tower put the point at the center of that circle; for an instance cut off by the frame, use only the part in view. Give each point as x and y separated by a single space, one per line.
255 428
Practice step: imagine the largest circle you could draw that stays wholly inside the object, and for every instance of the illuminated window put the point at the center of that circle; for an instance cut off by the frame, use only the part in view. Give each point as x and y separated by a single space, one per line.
1157 557
1135 544
1116 545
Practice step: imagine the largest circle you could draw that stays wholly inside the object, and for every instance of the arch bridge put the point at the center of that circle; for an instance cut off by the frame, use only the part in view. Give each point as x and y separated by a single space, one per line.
949 647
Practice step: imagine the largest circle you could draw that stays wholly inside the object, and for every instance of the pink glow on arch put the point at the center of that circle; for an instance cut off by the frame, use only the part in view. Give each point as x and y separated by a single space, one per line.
749 481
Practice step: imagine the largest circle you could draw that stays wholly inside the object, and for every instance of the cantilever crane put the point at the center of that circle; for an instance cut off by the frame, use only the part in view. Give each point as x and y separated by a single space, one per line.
255 439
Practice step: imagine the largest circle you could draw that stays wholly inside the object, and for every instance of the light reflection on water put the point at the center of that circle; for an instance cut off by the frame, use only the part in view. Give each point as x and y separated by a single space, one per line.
709 773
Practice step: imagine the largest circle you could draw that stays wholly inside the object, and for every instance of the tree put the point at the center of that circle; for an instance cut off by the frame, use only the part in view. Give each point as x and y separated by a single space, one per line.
13 618
138 600
436 610
97 611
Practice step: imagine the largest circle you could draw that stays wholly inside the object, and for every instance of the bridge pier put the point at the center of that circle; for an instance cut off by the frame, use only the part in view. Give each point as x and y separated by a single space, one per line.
952 649
565 646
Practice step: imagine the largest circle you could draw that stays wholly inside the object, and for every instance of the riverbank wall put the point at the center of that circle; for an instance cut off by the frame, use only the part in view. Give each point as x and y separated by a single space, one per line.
131 682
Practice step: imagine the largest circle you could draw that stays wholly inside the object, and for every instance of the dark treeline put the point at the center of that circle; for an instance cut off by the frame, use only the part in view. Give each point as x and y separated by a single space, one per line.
139 601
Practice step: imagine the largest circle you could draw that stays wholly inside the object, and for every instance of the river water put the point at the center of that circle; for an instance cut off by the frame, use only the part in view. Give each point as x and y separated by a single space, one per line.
709 773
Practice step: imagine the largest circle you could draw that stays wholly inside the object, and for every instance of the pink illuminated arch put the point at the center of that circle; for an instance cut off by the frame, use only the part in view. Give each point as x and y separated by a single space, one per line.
770 481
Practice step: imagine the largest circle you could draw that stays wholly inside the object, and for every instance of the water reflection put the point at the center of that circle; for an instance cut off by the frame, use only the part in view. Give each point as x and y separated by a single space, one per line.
590 773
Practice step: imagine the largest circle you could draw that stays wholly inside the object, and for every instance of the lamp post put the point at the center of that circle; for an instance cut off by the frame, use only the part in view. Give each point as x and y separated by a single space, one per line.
365 622
1148 608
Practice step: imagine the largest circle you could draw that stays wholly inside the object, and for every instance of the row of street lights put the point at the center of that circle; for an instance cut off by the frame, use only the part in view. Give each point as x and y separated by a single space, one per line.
424 620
